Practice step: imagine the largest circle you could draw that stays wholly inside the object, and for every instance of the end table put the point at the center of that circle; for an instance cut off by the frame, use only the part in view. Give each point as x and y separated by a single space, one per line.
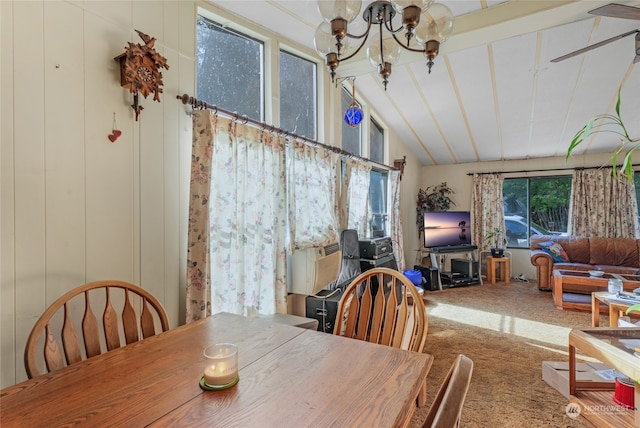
504 269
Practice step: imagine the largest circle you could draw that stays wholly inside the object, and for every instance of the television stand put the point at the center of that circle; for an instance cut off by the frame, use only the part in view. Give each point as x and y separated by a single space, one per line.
453 249
464 271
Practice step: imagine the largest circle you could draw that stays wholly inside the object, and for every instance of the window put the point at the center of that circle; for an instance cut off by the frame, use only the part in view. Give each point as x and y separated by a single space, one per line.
229 69
298 95
378 203
379 180
376 142
351 139
535 206
231 73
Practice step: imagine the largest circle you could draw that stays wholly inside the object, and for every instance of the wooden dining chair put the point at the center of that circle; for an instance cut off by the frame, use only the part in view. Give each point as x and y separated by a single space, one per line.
446 409
140 315
392 315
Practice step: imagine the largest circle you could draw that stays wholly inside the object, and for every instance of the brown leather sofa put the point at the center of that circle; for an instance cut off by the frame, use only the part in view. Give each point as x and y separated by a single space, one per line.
612 255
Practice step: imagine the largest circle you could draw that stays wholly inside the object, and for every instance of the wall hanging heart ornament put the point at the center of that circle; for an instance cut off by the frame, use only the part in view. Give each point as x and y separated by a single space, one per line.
115 135
115 132
140 70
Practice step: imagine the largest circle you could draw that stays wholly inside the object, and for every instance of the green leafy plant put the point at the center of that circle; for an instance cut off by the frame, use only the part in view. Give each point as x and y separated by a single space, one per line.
433 198
627 144
633 308
497 237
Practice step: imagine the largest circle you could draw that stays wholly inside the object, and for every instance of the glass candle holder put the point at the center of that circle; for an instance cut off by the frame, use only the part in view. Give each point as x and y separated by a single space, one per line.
221 365
615 286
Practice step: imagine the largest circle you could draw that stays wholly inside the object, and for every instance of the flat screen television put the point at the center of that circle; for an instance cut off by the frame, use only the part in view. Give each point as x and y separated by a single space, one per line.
447 228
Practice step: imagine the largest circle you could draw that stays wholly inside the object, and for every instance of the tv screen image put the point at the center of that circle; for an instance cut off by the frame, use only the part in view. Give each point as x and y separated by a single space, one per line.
442 229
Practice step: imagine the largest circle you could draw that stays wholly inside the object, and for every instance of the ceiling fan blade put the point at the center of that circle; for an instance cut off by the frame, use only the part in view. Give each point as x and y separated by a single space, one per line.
615 10
595 45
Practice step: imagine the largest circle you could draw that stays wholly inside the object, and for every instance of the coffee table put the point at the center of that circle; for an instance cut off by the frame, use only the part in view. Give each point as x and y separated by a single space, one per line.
572 289
615 308
613 347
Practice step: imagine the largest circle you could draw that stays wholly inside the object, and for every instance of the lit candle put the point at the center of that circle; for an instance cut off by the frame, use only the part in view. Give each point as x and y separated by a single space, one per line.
222 364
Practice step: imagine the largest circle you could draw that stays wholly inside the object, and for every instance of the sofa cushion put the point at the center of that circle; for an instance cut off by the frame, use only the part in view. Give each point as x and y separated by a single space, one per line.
623 270
614 252
576 247
584 267
555 250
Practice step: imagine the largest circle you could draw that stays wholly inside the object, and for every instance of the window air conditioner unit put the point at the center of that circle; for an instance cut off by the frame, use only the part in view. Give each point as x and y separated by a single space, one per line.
312 269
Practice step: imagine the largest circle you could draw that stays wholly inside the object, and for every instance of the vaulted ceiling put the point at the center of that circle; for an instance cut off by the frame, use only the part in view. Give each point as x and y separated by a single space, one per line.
493 93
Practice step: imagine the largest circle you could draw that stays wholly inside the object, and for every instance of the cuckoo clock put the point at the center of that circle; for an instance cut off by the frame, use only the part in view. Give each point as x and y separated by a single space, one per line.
140 67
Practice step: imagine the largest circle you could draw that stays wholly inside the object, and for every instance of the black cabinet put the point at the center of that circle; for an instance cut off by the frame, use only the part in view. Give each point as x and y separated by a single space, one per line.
387 261
463 271
430 276
324 307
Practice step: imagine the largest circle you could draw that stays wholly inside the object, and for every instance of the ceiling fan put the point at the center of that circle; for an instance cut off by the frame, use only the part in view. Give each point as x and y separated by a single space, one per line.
612 10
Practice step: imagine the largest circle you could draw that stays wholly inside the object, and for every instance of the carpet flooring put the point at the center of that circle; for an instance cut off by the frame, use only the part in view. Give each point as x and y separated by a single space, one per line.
507 330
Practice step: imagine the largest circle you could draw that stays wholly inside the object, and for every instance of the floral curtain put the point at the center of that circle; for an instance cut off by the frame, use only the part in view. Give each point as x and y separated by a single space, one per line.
487 212
354 197
246 220
395 223
313 201
198 276
247 186
603 205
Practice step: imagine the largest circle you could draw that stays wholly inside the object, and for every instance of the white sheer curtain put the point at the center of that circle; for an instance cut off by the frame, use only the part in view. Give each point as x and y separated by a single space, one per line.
247 187
487 212
246 220
313 195
395 222
602 205
355 195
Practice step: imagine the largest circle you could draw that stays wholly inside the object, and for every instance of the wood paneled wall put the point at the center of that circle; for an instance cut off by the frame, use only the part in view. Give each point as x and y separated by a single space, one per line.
75 207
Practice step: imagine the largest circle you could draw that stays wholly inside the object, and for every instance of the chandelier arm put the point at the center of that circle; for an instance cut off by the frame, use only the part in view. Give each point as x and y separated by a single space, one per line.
366 35
407 47
388 25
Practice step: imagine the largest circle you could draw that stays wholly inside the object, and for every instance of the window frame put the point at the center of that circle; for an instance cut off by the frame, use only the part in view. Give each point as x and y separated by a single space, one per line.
385 203
369 119
324 87
240 32
271 81
316 95
375 124
528 218
348 91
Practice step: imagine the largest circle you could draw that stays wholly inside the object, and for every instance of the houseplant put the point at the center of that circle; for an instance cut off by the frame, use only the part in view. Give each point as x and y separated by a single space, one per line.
433 198
497 237
613 123
632 308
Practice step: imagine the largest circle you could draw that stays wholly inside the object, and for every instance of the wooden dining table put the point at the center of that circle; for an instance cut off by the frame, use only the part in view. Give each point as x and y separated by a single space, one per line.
289 377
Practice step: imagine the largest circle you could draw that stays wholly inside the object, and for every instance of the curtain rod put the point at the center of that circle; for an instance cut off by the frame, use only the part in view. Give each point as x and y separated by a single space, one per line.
578 168
196 103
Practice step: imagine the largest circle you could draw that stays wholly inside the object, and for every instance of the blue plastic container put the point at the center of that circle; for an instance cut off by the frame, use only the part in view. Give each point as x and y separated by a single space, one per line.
414 276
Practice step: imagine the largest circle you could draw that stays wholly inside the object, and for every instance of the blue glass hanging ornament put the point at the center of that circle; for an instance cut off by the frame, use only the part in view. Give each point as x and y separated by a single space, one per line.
353 115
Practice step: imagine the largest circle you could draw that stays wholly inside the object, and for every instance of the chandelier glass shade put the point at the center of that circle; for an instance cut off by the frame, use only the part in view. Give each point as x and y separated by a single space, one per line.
426 25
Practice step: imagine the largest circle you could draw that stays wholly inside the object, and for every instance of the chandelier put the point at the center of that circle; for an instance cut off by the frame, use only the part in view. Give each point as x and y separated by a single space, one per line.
426 25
